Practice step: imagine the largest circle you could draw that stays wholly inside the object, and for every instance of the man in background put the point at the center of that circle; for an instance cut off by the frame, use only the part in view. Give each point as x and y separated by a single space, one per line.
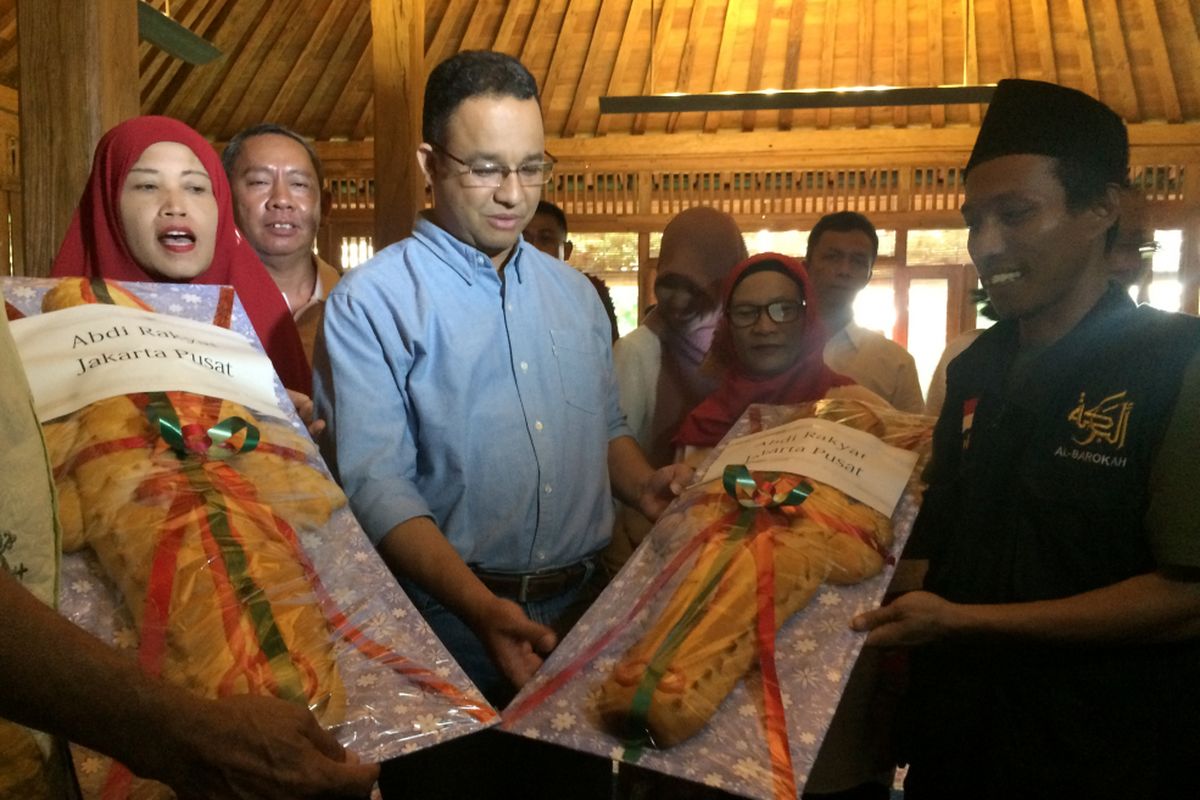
276 179
842 248
547 231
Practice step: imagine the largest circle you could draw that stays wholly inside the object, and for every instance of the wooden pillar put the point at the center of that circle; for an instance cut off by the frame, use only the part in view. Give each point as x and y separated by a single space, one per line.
398 56
79 77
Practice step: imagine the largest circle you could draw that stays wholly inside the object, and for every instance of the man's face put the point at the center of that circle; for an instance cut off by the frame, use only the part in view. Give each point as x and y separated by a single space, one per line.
544 233
1032 252
489 129
276 197
839 266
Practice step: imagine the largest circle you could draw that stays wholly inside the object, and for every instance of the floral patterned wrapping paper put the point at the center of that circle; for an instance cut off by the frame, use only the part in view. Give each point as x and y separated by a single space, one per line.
407 694
814 653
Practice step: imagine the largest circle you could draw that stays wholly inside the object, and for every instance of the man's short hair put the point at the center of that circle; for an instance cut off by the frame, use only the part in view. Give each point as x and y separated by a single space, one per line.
469 74
229 155
842 222
551 210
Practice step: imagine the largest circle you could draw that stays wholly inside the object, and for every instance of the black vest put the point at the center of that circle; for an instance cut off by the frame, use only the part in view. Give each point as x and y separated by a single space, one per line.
1038 489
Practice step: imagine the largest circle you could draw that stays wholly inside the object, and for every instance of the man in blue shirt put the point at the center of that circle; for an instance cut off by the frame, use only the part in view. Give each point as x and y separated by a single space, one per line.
467 384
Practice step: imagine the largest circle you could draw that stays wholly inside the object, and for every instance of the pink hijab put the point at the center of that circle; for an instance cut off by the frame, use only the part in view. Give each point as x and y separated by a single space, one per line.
701 244
807 379
95 244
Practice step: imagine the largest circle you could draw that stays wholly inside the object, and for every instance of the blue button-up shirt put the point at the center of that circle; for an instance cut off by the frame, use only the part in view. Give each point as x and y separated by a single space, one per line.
487 405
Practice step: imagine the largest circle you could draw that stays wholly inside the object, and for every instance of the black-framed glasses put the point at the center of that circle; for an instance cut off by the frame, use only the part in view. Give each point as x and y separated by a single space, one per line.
743 315
490 175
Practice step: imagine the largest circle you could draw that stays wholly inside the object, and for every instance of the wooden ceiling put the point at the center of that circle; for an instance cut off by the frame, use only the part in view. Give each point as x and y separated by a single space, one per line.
307 63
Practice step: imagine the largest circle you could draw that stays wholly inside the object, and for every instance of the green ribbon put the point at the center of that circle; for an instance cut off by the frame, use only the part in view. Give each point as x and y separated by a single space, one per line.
752 495
161 413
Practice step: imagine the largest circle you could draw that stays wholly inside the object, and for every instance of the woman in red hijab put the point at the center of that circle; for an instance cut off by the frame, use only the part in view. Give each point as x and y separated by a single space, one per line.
767 348
157 207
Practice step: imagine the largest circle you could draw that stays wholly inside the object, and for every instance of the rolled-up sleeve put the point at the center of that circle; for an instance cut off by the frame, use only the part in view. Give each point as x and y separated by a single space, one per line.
368 442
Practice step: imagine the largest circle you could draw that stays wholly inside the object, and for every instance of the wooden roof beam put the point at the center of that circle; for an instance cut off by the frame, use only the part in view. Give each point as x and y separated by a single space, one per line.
1125 99
1045 39
866 49
571 20
662 43
606 20
687 60
637 10
937 59
308 63
1082 35
758 55
1161 58
508 35
828 49
323 96
724 58
454 21
900 73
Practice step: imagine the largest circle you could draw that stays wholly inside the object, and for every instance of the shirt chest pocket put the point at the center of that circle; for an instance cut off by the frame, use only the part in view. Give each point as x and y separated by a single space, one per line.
580 368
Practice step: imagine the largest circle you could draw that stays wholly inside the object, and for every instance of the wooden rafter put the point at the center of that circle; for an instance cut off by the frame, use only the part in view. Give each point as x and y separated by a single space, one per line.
511 33
721 75
574 18
353 99
637 10
450 31
828 48
1161 58
971 43
607 20
254 50
662 45
900 76
791 57
758 55
1004 33
1045 39
687 60
308 65
1125 100
937 59
481 30
546 25
324 94
168 76
1082 36
864 75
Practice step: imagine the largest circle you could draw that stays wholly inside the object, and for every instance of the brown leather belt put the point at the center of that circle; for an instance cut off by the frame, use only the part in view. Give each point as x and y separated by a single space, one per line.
530 587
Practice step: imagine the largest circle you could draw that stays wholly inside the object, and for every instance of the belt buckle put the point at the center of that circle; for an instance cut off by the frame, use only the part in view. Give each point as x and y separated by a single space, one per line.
523 593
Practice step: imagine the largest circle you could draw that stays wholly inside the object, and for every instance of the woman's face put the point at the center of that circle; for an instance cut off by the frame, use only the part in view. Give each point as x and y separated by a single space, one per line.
763 345
169 213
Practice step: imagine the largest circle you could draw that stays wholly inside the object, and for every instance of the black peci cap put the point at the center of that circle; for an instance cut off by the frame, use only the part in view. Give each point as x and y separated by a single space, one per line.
1033 117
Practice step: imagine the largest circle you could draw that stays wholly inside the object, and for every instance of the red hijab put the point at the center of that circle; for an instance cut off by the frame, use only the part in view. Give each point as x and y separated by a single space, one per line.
807 379
95 245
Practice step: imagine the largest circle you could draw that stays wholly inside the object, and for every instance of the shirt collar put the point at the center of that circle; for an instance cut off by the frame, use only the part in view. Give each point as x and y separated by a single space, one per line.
466 260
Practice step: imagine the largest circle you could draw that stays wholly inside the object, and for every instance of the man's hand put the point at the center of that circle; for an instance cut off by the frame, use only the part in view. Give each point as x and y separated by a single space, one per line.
912 619
516 644
663 486
305 410
249 746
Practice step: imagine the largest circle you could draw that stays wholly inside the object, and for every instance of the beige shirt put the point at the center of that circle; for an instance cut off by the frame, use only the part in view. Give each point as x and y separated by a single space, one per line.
879 364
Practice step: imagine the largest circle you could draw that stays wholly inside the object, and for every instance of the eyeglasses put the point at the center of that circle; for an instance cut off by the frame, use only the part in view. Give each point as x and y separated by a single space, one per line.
746 314
485 174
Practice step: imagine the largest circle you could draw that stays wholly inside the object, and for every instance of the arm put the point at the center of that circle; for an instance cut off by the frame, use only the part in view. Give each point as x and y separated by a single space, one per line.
637 484
419 551
62 680
1144 609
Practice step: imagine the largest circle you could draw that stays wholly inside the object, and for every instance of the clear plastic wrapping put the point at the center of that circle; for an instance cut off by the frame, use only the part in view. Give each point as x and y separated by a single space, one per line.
719 652
211 542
